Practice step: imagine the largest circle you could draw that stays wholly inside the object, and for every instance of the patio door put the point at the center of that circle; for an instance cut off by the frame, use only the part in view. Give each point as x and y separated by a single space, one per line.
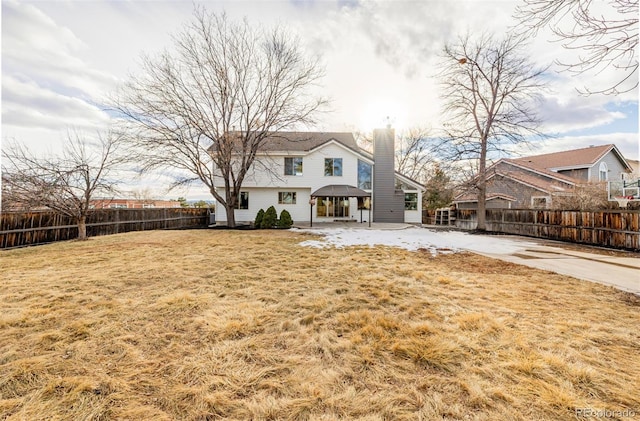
333 207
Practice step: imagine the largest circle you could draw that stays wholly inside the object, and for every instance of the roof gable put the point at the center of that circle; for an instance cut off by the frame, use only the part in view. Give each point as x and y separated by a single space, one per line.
540 171
537 178
546 184
470 197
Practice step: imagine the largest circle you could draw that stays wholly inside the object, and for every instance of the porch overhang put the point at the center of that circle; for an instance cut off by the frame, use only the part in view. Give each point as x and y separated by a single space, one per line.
340 190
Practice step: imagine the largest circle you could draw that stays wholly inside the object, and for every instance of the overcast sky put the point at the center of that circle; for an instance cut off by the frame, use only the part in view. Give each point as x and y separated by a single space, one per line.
60 59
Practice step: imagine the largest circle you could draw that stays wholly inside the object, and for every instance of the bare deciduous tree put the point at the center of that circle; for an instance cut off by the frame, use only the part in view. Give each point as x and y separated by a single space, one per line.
489 88
586 196
206 108
414 151
415 154
605 32
64 183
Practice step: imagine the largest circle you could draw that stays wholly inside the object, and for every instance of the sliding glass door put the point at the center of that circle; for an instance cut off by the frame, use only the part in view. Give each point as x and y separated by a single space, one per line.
333 207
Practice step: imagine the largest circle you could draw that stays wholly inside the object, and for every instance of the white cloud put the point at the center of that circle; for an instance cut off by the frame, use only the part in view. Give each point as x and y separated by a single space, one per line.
37 48
61 58
560 115
25 104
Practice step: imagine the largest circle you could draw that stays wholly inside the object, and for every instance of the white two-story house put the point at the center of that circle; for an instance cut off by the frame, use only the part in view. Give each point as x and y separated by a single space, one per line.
345 182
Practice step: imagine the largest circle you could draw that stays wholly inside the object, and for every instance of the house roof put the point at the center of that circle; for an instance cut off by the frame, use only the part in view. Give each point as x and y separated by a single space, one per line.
545 185
306 141
539 170
471 197
576 158
342 190
292 142
550 182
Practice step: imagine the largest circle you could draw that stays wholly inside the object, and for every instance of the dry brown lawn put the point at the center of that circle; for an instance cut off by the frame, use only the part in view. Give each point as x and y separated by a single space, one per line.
198 325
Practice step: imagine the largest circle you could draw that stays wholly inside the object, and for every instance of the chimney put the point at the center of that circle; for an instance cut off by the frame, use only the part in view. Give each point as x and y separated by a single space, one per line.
388 205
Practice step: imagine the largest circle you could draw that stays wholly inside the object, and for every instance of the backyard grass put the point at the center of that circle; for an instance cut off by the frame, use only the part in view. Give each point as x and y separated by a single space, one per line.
240 325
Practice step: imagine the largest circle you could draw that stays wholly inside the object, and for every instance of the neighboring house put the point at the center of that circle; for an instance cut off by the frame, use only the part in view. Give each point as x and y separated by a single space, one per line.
133 204
635 170
533 181
592 164
292 167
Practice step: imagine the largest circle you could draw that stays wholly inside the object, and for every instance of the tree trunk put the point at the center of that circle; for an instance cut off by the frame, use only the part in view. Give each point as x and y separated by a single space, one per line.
482 187
231 197
482 207
231 215
82 228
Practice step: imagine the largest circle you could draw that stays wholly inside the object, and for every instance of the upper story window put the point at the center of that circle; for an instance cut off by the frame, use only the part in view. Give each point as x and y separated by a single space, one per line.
603 172
333 167
364 175
293 166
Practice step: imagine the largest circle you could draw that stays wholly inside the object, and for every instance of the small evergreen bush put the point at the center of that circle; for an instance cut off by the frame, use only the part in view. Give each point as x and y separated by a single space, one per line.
258 221
270 218
285 220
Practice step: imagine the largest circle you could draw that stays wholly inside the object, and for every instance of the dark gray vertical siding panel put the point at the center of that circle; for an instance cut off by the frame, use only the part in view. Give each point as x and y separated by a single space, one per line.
388 204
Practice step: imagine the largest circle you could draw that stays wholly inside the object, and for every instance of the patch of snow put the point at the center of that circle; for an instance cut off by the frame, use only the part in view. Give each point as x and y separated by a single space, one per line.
415 238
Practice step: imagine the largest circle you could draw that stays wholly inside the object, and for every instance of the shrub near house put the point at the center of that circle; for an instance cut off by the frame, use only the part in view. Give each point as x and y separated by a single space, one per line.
285 220
258 221
270 218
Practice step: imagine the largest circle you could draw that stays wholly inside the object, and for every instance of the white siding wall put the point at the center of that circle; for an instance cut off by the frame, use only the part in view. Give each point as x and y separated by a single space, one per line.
414 216
312 170
260 198
263 186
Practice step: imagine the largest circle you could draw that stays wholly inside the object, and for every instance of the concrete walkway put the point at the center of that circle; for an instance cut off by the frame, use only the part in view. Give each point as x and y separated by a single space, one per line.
610 267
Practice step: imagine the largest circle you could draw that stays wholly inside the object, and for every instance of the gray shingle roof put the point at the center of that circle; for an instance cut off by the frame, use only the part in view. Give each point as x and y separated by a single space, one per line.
583 157
340 190
306 141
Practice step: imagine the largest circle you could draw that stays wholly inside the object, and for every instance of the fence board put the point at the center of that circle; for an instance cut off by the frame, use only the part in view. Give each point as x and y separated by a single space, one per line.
19 229
610 228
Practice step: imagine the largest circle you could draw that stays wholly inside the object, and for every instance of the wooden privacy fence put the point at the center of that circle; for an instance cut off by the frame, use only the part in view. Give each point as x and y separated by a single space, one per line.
609 228
19 229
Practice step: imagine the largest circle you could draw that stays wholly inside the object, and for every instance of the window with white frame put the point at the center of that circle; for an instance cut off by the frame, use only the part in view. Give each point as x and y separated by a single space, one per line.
411 201
243 200
293 166
603 172
286 198
333 167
